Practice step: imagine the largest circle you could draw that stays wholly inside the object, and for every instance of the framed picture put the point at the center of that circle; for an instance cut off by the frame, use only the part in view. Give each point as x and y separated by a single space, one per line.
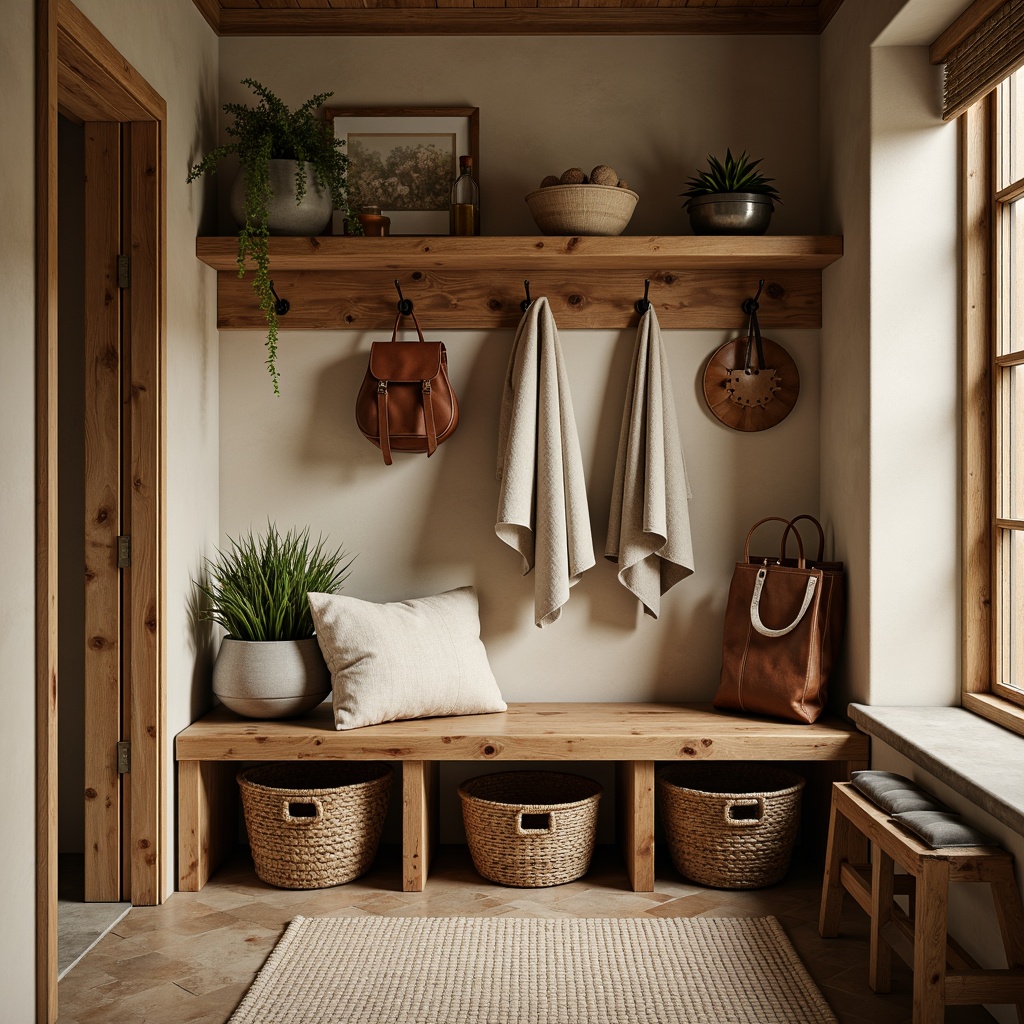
405 159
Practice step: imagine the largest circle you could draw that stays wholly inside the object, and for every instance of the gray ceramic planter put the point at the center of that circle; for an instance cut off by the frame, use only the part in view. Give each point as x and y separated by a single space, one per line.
271 679
284 215
730 213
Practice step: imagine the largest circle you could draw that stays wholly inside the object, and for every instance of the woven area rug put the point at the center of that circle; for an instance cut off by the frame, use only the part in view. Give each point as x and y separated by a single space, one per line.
513 970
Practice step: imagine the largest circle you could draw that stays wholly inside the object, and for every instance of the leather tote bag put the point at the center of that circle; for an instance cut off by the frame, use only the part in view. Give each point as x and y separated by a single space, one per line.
783 629
406 402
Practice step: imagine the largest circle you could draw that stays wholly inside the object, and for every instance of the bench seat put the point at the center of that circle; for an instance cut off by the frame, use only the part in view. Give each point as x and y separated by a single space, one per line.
636 735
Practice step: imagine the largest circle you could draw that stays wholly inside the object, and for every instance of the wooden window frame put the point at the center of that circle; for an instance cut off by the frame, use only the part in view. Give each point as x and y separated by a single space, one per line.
981 204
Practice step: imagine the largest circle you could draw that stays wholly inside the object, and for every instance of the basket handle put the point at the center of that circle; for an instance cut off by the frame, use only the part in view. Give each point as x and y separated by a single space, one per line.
744 819
302 811
534 823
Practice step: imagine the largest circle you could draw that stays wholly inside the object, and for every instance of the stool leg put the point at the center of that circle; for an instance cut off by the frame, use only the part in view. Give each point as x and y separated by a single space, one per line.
880 962
1011 925
930 923
840 837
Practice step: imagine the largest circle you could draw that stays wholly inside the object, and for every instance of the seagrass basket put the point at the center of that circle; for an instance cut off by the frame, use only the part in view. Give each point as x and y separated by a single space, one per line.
730 825
581 209
530 829
314 824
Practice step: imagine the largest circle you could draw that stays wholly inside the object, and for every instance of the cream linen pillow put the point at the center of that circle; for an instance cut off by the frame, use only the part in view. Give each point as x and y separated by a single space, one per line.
410 659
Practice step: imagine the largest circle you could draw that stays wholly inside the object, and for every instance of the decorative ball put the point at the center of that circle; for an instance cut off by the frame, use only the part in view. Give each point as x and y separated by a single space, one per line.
573 176
623 183
602 174
550 180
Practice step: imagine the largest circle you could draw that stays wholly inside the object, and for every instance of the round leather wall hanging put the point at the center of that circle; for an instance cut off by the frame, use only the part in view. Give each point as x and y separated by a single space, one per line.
751 383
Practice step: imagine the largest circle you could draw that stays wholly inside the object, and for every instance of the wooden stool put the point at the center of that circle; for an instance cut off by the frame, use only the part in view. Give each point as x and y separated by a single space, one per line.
943 972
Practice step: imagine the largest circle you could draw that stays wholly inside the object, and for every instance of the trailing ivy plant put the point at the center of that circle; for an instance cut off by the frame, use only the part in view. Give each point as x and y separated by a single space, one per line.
270 131
733 174
257 589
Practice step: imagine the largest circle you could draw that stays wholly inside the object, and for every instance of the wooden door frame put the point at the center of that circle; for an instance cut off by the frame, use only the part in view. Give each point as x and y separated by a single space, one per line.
80 74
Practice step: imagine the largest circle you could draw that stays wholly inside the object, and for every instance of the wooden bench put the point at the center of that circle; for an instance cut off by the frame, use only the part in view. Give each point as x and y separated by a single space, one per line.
943 972
634 735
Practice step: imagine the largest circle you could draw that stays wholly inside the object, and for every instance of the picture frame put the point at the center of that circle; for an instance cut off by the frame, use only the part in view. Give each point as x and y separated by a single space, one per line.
385 145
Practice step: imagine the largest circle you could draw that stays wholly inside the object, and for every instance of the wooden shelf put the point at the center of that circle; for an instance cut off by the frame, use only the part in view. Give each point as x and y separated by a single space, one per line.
591 281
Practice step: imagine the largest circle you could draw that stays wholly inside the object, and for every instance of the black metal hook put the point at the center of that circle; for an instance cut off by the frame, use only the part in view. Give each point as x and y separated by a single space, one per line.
525 304
404 304
281 306
752 305
644 304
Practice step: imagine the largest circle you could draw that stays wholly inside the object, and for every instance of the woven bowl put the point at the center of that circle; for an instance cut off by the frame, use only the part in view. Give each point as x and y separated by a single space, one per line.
582 209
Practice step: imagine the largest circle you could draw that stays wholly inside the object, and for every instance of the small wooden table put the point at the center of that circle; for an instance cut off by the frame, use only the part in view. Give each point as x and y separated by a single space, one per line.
634 735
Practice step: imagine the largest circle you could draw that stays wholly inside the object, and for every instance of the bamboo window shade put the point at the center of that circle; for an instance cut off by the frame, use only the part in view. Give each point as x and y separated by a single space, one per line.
975 66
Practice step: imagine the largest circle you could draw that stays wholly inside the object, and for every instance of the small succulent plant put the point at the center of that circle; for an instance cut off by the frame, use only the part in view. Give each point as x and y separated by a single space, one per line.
734 174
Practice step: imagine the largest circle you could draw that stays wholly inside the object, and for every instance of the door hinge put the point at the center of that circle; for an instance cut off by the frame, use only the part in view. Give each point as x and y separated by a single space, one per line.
124 757
124 551
124 271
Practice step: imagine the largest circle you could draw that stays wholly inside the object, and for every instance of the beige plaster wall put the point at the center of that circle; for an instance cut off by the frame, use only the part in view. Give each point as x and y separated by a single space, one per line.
888 438
17 514
421 526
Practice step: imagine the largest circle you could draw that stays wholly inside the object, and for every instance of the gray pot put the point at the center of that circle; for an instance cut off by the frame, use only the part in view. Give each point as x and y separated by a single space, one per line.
271 679
730 213
284 215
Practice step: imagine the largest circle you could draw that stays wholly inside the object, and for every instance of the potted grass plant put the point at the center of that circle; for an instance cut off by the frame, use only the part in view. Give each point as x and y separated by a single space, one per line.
270 665
731 197
292 176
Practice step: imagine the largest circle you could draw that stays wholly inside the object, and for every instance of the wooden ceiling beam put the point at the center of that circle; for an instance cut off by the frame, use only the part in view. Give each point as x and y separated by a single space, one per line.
520 21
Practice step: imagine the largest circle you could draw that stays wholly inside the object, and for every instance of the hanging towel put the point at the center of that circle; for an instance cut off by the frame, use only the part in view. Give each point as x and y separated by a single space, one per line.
649 522
542 504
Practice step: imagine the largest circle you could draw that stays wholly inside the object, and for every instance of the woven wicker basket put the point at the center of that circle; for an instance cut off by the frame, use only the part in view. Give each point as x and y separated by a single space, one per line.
314 824
530 829
582 209
731 826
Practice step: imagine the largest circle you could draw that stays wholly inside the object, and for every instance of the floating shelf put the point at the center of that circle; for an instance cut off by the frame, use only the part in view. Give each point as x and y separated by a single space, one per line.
345 283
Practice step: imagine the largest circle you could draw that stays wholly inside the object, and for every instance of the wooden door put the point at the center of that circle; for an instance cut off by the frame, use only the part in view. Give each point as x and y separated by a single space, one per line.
103 512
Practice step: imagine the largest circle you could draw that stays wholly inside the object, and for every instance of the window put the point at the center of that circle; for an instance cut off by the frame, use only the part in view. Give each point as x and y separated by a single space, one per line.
993 400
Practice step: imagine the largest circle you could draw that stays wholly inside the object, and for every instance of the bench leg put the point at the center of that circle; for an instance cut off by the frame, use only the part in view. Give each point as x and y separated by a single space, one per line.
207 820
636 797
930 923
841 836
1011 925
419 822
880 956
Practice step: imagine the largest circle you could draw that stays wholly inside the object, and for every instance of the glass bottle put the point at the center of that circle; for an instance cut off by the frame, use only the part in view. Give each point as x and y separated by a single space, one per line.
464 207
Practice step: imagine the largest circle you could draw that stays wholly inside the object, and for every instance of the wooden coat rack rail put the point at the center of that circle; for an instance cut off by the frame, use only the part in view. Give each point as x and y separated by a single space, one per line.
697 282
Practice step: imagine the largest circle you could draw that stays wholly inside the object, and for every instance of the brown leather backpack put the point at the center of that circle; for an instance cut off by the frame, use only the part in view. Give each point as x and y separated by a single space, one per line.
406 402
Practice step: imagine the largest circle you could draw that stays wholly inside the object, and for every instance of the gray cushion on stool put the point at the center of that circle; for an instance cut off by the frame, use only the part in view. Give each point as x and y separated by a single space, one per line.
894 793
939 829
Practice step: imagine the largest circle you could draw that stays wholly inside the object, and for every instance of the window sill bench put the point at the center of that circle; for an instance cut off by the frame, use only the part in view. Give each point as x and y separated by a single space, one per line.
975 757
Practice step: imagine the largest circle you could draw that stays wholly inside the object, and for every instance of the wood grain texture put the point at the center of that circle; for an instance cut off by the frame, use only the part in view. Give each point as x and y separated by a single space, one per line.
144 444
977 350
483 19
46 512
419 781
562 253
971 19
459 300
636 807
102 583
880 952
207 793
537 731
930 942
94 74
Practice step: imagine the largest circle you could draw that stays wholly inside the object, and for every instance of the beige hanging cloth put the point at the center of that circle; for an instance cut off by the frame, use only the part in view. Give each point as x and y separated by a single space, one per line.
542 504
649 521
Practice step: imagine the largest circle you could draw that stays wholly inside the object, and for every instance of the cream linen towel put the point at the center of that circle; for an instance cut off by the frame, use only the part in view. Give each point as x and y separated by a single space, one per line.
649 521
542 504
